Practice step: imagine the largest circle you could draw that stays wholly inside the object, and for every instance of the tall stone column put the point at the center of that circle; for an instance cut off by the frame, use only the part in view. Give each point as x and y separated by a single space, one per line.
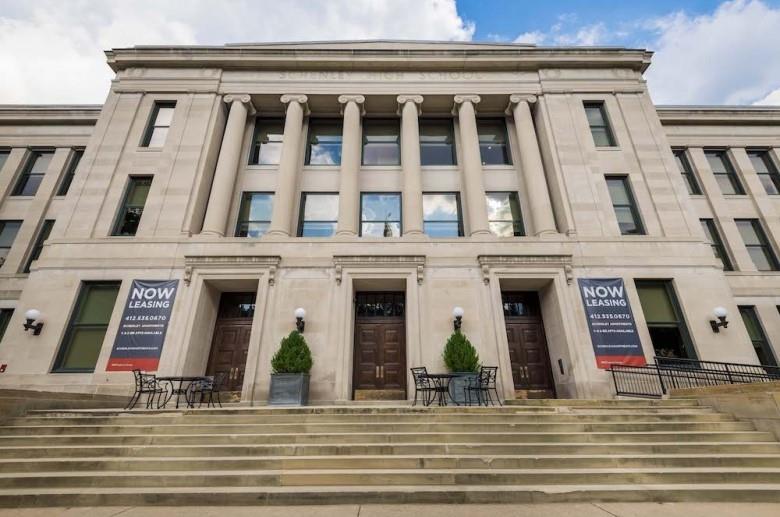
409 107
531 161
227 165
287 176
476 205
351 144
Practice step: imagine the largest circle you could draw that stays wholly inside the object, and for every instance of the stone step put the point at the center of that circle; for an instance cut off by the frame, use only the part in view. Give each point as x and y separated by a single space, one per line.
388 450
371 427
603 402
385 477
493 462
383 437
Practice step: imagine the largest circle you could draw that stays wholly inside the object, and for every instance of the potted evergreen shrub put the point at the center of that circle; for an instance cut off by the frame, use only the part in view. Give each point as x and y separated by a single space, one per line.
290 378
462 359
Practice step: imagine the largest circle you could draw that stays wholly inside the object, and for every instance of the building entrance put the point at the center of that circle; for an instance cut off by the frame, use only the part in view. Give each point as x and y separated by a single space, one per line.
230 344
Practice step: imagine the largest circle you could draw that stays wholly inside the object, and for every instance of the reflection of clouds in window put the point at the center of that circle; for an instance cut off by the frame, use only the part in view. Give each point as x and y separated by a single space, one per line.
440 207
325 154
270 153
381 207
498 207
381 229
321 207
260 208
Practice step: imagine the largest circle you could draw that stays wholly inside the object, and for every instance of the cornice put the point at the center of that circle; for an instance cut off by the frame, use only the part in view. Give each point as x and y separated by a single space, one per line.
719 115
379 261
65 114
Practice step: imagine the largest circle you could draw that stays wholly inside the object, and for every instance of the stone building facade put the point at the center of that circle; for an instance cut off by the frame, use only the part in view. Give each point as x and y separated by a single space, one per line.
378 185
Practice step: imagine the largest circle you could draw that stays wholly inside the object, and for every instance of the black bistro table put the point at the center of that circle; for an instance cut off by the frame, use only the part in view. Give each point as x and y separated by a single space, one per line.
178 386
441 383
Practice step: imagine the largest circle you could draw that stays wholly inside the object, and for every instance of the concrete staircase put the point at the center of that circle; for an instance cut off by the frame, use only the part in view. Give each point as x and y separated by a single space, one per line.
529 451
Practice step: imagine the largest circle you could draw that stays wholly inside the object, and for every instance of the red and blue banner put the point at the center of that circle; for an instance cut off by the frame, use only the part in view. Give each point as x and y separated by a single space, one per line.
611 322
141 333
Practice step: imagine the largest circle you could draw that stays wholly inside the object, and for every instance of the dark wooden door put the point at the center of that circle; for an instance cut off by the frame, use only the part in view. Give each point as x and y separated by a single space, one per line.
528 352
230 344
380 342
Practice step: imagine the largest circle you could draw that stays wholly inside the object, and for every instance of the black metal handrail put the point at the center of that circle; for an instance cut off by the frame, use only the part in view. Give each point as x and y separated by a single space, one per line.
672 373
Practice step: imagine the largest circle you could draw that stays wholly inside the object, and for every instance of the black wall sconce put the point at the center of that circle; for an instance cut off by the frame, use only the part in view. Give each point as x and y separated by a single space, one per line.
457 314
300 314
32 316
720 313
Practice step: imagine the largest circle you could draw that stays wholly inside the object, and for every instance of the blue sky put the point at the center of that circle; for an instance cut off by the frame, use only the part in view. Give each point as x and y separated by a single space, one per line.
706 51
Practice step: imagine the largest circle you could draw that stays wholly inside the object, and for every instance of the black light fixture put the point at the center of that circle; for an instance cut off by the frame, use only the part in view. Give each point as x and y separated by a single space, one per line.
300 314
32 316
457 313
720 313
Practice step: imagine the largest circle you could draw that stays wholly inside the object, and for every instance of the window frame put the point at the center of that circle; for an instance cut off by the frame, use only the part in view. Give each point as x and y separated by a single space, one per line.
607 123
123 207
519 223
244 196
763 342
632 206
691 181
731 172
440 121
254 147
41 236
4 222
367 121
712 233
24 177
6 313
772 173
72 326
311 126
76 155
302 214
400 213
508 161
681 324
458 204
764 244
151 124
5 153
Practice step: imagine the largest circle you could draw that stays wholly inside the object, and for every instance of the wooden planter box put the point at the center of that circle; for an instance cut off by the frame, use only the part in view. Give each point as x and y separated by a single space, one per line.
289 389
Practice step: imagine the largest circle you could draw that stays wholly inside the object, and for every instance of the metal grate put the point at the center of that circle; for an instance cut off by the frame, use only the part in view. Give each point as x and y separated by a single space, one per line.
380 305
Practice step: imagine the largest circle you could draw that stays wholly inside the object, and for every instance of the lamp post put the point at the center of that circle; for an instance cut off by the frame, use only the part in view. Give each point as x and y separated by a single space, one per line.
32 316
300 314
457 314
720 313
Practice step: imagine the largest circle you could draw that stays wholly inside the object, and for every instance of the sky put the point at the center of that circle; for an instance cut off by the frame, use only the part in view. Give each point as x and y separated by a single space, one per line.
706 51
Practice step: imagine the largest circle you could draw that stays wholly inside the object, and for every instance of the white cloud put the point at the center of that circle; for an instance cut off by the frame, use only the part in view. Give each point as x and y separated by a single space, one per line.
773 99
52 51
588 35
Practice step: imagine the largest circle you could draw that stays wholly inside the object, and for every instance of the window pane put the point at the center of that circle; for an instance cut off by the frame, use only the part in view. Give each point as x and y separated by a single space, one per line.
84 348
256 207
381 142
493 142
437 229
757 159
599 125
716 161
770 184
381 229
270 153
437 146
139 191
748 232
68 179
760 258
324 143
618 191
97 306
503 229
381 207
267 146
668 342
252 229
625 219
158 136
321 207
3 158
595 115
499 206
29 185
316 229
656 305
41 163
5 318
164 116
601 137
726 184
440 207
8 230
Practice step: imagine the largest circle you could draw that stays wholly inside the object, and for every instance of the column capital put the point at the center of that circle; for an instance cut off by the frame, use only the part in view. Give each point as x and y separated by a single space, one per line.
472 98
404 98
243 98
517 98
296 97
357 99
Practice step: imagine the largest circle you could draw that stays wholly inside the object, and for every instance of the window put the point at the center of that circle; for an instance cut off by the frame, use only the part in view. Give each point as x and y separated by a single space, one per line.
665 322
724 173
766 170
70 172
159 123
437 142
441 215
599 126
319 215
713 237
324 145
87 327
133 206
4 154
757 244
33 173
493 146
381 142
624 205
267 142
504 214
380 214
757 335
8 230
43 234
5 318
687 173
254 216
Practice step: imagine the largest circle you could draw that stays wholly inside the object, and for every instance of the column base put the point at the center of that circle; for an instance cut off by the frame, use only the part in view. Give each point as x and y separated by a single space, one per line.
547 234
346 233
478 233
277 233
212 233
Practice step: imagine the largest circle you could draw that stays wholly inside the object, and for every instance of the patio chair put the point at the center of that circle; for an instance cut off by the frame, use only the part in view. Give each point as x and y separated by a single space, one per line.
207 388
144 383
482 385
422 386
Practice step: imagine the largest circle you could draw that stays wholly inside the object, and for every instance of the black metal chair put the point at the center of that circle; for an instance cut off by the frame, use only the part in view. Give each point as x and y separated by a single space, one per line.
482 385
144 383
423 386
206 389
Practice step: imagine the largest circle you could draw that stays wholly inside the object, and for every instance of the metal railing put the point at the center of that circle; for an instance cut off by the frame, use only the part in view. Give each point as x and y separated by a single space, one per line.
670 373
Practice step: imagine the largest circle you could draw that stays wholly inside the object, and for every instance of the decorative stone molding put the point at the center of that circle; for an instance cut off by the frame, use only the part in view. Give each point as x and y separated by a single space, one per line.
379 261
242 98
404 98
472 98
517 98
269 262
357 99
296 97
486 262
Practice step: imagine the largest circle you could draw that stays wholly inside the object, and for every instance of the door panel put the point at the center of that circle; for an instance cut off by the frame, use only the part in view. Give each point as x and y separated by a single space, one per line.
528 352
230 345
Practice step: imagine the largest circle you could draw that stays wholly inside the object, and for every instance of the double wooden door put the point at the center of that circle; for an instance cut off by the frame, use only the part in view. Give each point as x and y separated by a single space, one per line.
230 343
528 352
